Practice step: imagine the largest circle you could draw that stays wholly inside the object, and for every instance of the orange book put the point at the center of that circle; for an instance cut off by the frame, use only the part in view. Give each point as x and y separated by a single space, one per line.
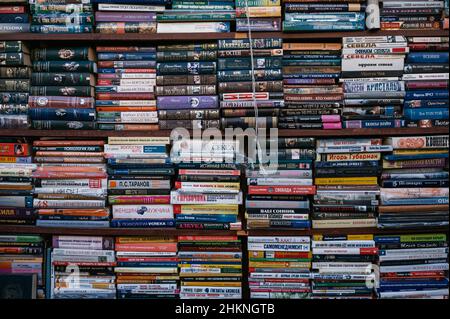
83 169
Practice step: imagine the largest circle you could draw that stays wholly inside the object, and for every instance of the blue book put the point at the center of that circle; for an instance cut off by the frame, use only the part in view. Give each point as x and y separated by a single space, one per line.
146 264
426 103
392 157
62 114
210 262
147 2
72 224
347 164
126 56
311 62
144 223
13 18
426 95
312 76
47 28
426 114
416 201
207 218
427 57
373 124
415 183
16 201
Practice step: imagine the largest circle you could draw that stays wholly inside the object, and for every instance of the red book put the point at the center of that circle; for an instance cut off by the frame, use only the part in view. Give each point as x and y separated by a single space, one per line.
14 149
282 190
125 96
12 9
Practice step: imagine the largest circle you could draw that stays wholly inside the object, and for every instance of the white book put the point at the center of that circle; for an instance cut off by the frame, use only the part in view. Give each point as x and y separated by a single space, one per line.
416 251
130 7
302 247
90 192
408 268
279 181
414 294
194 27
349 65
428 39
414 257
344 244
305 275
142 211
131 103
133 149
113 140
279 239
139 117
413 4
375 39
425 76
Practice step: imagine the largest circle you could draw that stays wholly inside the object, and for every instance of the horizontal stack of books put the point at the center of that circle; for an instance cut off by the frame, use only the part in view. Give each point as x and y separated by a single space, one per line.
414 183
70 188
186 91
346 176
344 266
62 88
14 16
16 187
411 15
372 68
279 267
81 267
15 75
147 268
62 16
312 95
127 16
22 267
139 182
210 267
258 15
426 77
307 15
413 266
125 91
192 16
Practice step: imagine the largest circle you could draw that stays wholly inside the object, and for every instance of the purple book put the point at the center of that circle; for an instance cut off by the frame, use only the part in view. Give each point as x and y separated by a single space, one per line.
125 16
187 102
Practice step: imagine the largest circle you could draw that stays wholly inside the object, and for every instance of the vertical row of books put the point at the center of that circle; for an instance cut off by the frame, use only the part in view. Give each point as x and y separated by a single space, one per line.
191 16
258 15
411 15
147 267
210 267
22 267
186 91
63 16
125 91
235 75
124 16
312 95
413 266
15 73
207 191
279 267
346 177
414 183
16 183
14 16
372 69
70 184
344 266
139 182
62 88
426 76
81 267
306 15
280 196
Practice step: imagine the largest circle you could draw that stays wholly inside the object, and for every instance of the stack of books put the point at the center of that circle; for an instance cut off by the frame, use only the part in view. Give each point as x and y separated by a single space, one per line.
127 16
426 79
279 191
186 91
258 15
279 267
192 16
125 92
371 74
147 268
126 88
22 269
344 266
62 88
236 74
414 183
139 182
411 15
210 267
413 266
14 16
62 16
312 95
70 183
321 15
207 192
81 267
346 176
16 188
15 75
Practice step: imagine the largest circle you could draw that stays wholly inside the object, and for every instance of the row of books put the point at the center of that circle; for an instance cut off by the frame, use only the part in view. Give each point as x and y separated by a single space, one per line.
189 16
395 183
359 266
363 82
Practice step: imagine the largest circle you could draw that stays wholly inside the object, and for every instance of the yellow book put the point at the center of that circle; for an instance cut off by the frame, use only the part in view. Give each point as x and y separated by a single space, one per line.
348 237
420 151
344 223
207 209
279 264
8 159
341 157
258 12
155 140
212 284
346 181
